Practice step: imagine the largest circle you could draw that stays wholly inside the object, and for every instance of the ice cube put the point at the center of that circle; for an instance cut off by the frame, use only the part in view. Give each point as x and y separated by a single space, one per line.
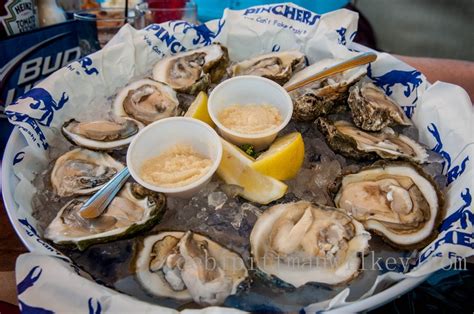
217 199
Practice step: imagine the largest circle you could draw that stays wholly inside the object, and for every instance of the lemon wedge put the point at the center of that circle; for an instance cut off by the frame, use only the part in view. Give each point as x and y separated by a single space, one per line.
236 168
283 159
198 109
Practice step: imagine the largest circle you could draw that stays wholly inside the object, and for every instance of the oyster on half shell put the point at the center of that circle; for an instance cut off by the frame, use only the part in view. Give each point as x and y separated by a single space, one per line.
352 142
82 172
396 200
101 134
192 71
303 242
372 110
133 210
276 66
325 96
146 101
188 266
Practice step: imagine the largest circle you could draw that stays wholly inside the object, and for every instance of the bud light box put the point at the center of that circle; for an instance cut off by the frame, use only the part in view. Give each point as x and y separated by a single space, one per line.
28 58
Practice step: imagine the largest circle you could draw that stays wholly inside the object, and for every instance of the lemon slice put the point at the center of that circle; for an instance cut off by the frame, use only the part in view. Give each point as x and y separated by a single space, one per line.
283 159
235 168
198 109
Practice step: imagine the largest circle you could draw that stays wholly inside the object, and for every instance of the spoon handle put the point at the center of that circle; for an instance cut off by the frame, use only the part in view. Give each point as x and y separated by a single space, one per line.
96 205
356 61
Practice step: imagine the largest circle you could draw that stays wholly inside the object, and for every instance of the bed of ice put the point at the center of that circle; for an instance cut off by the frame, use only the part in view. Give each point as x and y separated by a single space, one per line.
217 212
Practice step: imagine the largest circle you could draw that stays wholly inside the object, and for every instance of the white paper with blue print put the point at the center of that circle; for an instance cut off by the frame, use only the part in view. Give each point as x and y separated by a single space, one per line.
442 112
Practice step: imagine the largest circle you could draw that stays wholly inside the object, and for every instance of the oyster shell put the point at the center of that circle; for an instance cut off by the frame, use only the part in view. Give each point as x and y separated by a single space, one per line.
188 266
325 96
82 172
302 242
352 142
277 66
193 71
133 210
146 101
396 200
102 134
372 110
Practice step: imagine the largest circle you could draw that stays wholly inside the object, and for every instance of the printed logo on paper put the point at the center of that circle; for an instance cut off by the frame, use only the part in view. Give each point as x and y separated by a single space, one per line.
86 65
203 35
29 281
31 232
342 35
44 107
453 229
463 216
288 11
18 157
453 171
94 307
410 80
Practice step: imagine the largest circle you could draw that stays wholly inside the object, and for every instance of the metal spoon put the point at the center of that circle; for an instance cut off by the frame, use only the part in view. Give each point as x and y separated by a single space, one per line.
96 205
356 61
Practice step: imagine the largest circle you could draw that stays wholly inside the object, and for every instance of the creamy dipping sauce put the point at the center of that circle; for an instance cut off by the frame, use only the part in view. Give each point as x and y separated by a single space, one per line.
250 119
178 166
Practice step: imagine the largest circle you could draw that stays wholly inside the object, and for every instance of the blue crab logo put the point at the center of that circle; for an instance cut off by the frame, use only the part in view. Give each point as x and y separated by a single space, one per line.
86 64
43 103
461 216
342 35
453 171
29 281
18 157
30 230
411 80
203 35
92 309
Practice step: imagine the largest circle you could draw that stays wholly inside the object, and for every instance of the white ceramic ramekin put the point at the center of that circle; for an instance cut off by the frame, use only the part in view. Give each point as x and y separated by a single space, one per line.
163 134
247 90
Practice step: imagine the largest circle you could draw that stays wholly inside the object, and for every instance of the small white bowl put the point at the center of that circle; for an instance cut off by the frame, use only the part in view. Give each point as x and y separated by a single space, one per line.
247 90
162 135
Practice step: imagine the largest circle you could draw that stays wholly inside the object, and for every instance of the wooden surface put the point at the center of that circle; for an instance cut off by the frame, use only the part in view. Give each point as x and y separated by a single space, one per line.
10 248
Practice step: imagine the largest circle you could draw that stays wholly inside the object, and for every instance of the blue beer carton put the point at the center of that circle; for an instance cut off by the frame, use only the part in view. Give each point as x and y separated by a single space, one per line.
27 58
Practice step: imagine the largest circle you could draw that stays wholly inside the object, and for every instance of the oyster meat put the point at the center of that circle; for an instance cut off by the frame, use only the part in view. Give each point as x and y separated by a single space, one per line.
303 242
188 266
372 110
276 66
192 71
325 96
396 200
82 172
102 134
352 142
133 210
146 101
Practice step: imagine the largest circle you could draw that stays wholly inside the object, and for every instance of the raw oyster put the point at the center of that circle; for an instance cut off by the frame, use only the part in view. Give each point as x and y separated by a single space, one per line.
193 71
372 110
324 96
82 172
133 210
277 66
302 242
350 141
102 134
396 200
188 266
146 101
